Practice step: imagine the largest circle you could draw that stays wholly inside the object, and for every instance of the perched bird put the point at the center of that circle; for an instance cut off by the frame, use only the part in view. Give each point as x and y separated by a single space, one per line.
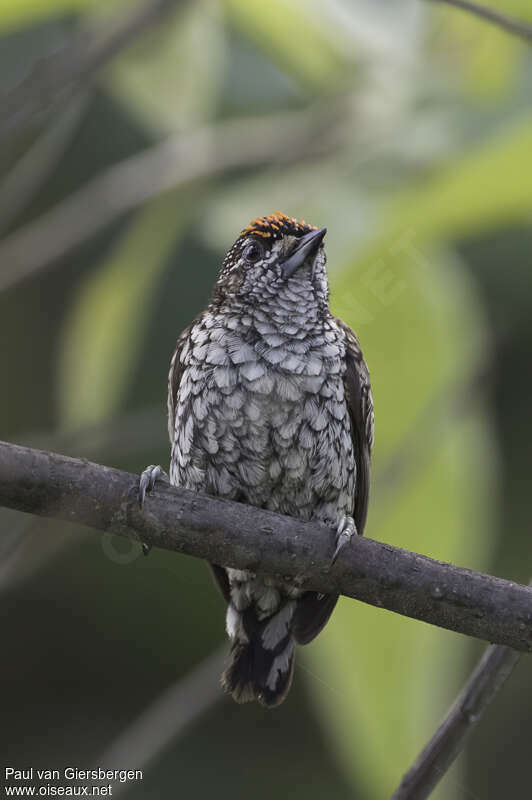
269 403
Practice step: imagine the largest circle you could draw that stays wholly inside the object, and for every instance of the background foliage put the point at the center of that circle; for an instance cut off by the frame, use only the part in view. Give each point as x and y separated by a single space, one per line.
416 155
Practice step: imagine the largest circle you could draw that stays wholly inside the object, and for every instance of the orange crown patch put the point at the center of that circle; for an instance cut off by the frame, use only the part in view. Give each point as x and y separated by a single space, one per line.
276 225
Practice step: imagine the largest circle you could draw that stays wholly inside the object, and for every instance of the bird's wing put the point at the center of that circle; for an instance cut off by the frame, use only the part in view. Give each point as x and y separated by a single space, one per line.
360 405
313 609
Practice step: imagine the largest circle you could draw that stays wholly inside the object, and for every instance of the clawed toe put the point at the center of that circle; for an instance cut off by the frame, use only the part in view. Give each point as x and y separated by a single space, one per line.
345 531
147 480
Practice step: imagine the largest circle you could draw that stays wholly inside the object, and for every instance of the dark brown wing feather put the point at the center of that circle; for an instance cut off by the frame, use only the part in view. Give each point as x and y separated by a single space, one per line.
360 404
314 610
174 379
311 615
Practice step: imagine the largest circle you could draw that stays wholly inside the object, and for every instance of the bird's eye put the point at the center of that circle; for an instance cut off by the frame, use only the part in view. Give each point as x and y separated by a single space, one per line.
253 252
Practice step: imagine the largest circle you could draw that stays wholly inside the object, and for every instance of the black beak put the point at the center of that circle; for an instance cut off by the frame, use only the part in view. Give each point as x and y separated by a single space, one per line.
307 246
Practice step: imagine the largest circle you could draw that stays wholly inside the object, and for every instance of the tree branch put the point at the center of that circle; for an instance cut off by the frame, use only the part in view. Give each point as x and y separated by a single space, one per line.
507 23
489 676
241 536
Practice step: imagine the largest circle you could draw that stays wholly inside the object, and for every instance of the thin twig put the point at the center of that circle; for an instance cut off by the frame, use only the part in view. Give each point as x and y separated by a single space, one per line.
165 719
488 678
245 537
507 23
56 79
169 165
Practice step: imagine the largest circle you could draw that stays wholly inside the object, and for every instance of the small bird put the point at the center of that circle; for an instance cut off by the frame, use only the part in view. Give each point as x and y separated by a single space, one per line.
269 403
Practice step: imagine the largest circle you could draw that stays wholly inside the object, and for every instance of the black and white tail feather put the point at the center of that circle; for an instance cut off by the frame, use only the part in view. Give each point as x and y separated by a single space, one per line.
262 655
265 632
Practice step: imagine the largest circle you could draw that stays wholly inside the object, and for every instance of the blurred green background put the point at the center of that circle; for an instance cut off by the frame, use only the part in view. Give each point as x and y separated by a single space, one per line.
403 126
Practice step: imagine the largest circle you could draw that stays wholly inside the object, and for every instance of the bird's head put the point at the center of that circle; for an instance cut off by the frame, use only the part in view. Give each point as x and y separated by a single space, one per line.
273 256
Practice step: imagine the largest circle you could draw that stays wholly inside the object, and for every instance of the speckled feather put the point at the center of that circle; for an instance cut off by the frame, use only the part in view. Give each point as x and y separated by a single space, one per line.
270 404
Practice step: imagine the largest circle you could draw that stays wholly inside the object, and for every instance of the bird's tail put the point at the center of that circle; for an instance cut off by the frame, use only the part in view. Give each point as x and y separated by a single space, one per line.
262 655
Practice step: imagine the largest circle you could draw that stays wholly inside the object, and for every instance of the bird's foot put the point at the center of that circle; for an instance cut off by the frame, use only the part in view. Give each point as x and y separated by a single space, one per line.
146 483
345 531
147 480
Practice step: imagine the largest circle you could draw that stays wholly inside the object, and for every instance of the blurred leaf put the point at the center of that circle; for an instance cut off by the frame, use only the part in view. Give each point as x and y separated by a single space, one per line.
482 188
391 678
105 328
288 32
473 193
172 81
16 13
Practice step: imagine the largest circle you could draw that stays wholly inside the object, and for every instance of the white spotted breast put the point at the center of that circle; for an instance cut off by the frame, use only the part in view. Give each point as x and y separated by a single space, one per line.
261 414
